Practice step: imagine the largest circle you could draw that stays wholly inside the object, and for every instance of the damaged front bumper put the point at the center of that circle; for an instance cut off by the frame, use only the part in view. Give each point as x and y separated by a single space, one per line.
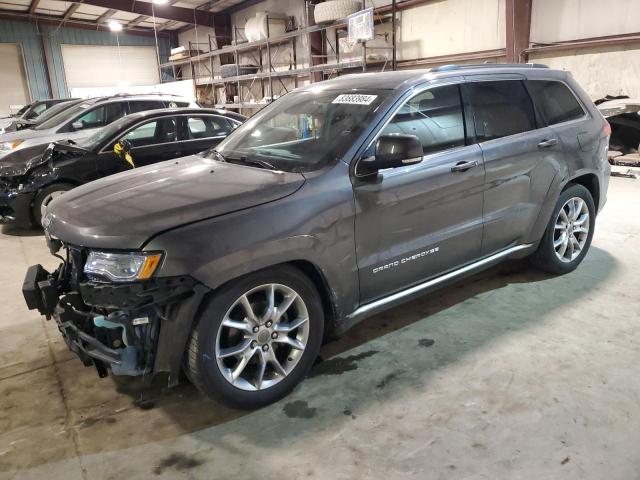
137 328
15 207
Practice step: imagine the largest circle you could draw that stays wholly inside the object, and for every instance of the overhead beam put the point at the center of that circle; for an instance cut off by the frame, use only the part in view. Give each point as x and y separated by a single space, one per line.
33 6
136 21
166 25
72 23
106 16
168 12
70 11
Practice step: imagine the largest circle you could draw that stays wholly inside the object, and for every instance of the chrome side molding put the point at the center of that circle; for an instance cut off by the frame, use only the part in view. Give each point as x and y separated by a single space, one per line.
370 308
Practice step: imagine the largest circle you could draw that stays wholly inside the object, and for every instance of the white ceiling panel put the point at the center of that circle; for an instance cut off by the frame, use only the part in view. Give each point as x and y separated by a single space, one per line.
92 9
14 6
124 16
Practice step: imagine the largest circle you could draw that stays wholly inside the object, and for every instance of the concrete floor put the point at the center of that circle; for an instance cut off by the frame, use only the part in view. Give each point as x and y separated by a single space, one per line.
510 374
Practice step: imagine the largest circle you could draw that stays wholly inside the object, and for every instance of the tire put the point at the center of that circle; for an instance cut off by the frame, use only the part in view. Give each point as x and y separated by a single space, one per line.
547 256
333 10
233 70
45 196
209 362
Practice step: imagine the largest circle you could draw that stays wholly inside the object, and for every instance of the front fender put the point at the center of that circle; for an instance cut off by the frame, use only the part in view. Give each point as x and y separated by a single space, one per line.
315 225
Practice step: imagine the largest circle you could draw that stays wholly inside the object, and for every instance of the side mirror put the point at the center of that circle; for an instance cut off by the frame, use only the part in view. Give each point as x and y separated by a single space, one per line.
77 126
392 151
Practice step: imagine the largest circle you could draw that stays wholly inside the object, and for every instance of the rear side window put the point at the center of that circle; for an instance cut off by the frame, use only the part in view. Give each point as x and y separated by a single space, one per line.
500 109
207 127
555 101
434 116
154 132
172 104
145 105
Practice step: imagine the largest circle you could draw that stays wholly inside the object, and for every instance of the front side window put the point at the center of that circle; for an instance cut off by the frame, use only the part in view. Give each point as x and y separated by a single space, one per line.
155 132
500 109
555 101
303 131
100 116
434 116
203 126
35 111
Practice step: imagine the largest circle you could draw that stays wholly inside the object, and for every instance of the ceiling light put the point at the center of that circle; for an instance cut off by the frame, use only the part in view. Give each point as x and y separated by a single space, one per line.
115 26
160 2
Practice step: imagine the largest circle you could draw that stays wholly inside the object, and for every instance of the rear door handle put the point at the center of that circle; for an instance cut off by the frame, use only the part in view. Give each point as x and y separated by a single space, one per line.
548 143
464 166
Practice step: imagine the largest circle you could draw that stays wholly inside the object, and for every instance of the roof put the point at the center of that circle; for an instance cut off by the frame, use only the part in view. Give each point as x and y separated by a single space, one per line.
403 79
131 15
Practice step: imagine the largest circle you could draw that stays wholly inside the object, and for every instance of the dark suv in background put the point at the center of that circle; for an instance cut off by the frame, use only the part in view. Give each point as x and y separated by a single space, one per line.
333 203
27 185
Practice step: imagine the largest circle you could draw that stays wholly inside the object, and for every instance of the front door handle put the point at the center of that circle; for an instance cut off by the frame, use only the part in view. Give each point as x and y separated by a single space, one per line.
464 166
548 143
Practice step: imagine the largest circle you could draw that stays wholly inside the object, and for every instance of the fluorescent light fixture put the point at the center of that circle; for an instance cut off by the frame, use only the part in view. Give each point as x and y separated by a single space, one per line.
115 26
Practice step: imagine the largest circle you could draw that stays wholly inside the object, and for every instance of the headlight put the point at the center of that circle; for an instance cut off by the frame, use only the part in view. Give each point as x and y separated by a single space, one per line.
121 267
10 145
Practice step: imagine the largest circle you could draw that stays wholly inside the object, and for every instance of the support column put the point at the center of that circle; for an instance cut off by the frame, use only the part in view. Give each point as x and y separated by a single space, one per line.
518 18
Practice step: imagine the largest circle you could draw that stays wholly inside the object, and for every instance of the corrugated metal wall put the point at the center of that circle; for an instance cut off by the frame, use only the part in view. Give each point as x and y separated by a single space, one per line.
40 42
26 34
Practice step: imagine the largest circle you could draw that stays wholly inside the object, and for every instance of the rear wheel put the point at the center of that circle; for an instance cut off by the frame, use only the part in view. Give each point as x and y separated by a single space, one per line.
45 197
257 338
569 232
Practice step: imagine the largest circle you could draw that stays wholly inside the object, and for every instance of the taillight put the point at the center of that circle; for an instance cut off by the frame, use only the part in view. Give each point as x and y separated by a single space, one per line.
607 129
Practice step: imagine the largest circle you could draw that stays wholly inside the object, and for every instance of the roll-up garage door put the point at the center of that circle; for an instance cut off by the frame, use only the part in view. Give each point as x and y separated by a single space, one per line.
109 66
14 90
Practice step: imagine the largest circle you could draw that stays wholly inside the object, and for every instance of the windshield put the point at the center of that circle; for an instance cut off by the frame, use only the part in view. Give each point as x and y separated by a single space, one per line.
63 116
54 110
302 131
23 110
104 133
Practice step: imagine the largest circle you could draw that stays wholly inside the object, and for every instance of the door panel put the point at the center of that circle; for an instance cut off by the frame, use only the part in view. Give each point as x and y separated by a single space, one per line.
151 141
518 178
518 162
417 222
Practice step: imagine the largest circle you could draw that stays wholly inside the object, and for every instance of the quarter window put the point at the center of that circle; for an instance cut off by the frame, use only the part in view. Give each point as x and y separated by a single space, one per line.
434 116
555 101
500 109
206 127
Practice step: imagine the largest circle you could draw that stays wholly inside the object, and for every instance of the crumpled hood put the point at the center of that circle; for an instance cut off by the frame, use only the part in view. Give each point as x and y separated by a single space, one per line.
123 211
23 135
20 162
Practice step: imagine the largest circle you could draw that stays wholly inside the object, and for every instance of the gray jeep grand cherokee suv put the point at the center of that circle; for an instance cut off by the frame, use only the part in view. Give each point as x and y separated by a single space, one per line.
335 202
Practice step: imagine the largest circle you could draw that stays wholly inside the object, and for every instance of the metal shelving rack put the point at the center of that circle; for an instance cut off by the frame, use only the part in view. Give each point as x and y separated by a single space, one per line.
267 73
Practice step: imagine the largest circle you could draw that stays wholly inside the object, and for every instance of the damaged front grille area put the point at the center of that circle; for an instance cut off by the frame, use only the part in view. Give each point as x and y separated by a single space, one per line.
108 325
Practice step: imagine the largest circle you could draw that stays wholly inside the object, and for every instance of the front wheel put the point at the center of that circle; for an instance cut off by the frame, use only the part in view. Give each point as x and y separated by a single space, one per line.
257 338
569 232
44 198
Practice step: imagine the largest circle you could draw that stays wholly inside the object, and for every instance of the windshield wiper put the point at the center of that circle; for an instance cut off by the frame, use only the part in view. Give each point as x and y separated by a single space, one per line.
259 163
246 160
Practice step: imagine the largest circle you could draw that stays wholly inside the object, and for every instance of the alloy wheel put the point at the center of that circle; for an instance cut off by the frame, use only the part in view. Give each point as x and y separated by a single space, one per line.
47 200
262 337
571 229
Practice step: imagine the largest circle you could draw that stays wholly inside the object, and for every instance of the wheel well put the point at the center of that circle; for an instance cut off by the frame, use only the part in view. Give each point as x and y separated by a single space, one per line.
316 276
590 182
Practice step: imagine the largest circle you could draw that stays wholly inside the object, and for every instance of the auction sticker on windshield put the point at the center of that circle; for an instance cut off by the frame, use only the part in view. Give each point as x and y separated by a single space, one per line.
354 99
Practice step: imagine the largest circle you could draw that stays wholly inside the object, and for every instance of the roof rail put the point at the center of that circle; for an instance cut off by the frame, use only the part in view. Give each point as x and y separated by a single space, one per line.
124 94
447 68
